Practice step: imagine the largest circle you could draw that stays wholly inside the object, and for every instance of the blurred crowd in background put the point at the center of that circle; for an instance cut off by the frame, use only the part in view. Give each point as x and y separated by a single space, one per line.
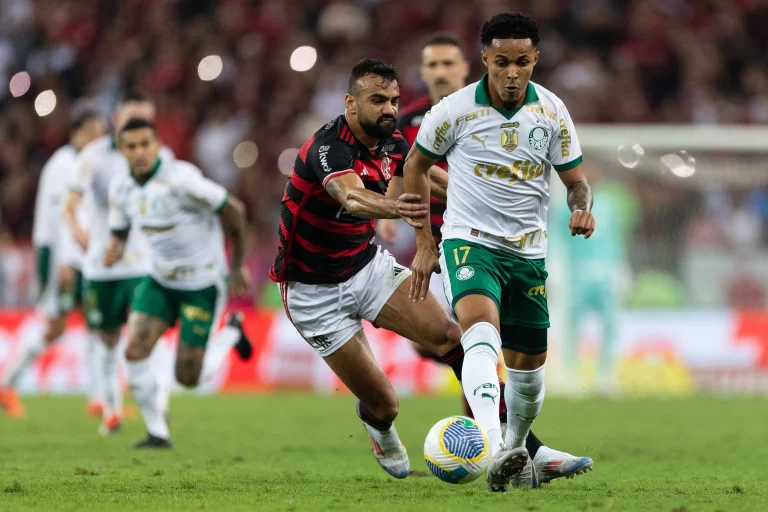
611 61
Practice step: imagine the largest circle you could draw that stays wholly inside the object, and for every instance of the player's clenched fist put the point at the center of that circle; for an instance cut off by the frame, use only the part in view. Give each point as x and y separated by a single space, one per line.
424 264
582 223
409 208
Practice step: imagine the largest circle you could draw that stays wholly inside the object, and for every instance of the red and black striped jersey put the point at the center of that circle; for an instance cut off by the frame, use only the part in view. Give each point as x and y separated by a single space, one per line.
320 242
409 123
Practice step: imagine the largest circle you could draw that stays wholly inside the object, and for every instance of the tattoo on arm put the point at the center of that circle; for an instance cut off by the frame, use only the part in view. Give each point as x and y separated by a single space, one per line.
580 196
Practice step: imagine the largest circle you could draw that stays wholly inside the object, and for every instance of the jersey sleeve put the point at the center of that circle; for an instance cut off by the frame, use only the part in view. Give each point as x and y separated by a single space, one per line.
328 161
401 148
118 219
81 172
201 191
437 133
564 148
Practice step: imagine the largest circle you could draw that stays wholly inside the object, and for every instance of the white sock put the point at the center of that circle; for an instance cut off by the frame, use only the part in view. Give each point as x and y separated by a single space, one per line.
95 361
144 388
217 351
114 392
480 381
31 347
525 396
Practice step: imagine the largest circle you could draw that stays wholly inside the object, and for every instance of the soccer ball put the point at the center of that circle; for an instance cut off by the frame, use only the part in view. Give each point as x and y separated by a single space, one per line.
456 450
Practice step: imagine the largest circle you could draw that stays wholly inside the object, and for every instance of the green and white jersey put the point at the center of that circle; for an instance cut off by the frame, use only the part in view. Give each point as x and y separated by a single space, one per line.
177 209
95 167
499 164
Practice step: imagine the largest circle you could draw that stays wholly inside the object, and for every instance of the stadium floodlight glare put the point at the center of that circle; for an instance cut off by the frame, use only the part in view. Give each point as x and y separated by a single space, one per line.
303 58
20 83
45 103
286 160
210 68
245 154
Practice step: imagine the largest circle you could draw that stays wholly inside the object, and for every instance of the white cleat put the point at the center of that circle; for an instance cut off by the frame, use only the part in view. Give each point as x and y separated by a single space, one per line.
389 451
527 477
551 464
505 465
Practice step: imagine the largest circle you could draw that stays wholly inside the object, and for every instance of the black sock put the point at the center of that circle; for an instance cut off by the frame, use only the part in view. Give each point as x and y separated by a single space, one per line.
370 419
455 359
532 444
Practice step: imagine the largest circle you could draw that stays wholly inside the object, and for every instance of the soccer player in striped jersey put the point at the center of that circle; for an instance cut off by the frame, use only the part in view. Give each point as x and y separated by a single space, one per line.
60 279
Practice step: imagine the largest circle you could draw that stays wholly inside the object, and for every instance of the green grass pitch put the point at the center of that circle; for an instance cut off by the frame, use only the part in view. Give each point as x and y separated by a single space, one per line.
303 452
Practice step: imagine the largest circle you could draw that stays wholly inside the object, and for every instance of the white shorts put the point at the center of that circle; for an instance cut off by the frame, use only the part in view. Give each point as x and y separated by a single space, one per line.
436 287
328 315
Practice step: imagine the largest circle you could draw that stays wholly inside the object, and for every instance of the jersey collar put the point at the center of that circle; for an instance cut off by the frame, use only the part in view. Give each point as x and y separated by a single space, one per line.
151 174
483 98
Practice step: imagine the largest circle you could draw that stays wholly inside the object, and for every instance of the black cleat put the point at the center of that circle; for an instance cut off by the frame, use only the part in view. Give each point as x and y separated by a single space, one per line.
243 347
154 442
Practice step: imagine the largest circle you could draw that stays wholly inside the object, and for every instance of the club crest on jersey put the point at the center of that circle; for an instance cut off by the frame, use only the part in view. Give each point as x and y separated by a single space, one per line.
538 138
385 167
464 273
509 140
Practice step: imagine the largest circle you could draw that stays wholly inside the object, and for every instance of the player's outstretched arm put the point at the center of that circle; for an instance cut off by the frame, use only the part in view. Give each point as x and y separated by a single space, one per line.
579 201
416 173
349 191
70 217
387 228
233 223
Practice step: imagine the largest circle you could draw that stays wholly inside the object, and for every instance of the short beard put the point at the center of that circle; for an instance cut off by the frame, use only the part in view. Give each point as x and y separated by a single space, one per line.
374 129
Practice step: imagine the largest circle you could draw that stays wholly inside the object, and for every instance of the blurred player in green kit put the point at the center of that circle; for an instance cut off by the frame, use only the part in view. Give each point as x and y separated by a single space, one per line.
596 272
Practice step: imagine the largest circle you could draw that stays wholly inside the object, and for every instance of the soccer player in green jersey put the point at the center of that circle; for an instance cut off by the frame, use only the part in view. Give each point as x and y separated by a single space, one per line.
502 137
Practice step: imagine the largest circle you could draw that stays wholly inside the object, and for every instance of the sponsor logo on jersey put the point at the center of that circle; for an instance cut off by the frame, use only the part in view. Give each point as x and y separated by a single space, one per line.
526 239
538 138
440 135
538 290
464 273
388 148
509 140
323 153
473 115
542 111
192 313
481 141
513 124
565 139
521 170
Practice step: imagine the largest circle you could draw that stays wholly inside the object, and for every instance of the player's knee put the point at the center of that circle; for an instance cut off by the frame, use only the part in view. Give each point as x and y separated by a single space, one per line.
55 329
135 350
447 336
186 378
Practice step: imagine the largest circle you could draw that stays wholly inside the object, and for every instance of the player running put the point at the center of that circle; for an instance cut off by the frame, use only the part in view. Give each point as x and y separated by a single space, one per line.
444 70
60 279
501 137
178 210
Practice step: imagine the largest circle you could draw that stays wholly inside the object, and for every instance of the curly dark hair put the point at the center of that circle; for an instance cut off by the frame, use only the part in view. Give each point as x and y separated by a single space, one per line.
509 26
370 67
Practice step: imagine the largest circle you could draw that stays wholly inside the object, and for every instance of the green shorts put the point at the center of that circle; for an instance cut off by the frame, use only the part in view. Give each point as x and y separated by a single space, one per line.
517 286
107 302
198 310
55 301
